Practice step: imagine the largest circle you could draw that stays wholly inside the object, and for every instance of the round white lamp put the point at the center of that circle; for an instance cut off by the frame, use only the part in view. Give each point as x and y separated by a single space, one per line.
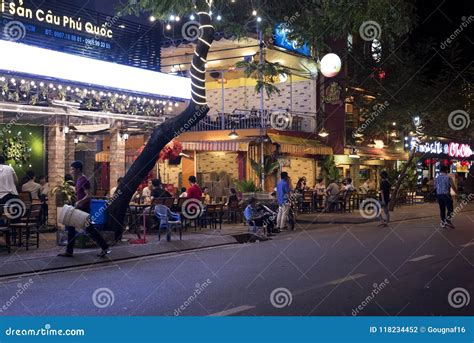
330 65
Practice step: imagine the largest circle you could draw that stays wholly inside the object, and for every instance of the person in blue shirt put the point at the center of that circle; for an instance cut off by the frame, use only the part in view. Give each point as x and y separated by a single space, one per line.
443 185
283 192
255 219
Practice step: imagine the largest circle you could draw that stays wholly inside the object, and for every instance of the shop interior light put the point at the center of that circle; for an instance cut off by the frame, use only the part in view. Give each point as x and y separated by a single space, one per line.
52 64
354 153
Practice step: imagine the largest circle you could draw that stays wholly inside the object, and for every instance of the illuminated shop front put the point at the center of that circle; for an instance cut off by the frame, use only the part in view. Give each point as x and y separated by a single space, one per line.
77 84
458 156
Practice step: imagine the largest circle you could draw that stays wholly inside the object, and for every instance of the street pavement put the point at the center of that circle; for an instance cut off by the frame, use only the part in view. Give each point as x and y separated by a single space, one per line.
412 267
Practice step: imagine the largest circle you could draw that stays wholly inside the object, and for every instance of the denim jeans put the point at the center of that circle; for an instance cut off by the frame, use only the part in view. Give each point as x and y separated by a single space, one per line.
445 202
386 210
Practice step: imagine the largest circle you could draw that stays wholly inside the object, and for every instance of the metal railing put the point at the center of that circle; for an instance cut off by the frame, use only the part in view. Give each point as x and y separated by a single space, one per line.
252 119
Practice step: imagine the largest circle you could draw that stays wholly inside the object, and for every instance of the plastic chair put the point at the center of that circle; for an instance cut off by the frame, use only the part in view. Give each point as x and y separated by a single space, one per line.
168 220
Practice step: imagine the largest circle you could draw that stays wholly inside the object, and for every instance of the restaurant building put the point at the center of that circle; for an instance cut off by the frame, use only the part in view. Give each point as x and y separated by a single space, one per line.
76 84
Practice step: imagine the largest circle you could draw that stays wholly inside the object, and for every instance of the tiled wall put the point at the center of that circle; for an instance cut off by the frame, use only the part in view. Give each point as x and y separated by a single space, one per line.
299 167
208 162
169 173
244 97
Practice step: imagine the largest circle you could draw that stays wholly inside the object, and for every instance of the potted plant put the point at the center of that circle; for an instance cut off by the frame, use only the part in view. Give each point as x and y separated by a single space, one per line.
247 188
269 170
64 194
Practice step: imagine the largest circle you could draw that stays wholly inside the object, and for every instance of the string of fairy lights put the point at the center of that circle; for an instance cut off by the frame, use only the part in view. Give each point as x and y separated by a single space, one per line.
36 92
198 75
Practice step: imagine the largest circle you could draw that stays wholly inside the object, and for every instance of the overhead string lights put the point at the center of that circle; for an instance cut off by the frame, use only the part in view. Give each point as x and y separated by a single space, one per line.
38 93
198 68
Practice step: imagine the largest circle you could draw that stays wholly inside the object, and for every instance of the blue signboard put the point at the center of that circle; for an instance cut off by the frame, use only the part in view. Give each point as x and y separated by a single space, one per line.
281 40
57 25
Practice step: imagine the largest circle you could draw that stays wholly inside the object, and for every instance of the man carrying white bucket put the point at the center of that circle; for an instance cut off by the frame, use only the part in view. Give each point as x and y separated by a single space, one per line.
83 195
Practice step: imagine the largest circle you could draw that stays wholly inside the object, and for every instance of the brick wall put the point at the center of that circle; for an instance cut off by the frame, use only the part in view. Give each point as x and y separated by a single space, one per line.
70 150
117 157
56 167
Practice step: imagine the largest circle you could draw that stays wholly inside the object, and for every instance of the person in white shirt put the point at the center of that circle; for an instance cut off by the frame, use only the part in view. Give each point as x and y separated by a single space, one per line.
183 194
31 186
332 196
365 187
114 189
8 180
348 185
146 193
43 181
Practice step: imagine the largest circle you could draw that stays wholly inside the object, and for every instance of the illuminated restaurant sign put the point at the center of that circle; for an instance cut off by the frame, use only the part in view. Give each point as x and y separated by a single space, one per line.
21 11
452 149
64 27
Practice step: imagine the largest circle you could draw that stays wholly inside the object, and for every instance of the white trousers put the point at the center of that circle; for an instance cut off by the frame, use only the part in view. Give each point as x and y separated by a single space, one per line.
282 215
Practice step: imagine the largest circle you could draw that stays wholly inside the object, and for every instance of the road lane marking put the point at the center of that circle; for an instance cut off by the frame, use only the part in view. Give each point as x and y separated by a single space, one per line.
467 245
346 279
424 257
232 311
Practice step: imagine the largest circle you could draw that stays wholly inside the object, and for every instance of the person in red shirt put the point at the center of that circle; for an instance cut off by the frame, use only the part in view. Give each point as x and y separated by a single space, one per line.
194 191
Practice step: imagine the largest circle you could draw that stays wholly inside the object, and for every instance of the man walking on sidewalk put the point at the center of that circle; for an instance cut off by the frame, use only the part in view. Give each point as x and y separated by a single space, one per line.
385 188
443 185
283 192
83 195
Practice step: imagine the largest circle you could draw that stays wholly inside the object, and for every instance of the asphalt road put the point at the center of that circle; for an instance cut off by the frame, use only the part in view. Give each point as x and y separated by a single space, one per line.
407 269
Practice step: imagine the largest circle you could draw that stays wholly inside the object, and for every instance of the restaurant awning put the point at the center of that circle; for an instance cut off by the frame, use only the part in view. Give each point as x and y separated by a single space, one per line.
300 145
237 145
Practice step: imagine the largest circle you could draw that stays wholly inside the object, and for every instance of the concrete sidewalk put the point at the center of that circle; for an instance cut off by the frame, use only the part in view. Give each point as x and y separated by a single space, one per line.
407 212
45 258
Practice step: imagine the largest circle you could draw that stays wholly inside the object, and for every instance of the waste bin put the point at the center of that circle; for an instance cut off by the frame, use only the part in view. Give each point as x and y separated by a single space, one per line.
98 212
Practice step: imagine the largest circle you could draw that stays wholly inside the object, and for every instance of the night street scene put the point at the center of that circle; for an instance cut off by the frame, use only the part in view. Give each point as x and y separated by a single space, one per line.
236 171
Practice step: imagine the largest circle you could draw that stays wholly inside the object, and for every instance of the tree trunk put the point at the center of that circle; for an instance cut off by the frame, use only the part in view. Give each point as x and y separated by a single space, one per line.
403 174
165 132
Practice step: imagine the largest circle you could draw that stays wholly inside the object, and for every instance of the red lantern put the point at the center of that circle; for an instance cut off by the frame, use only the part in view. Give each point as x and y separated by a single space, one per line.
381 74
171 151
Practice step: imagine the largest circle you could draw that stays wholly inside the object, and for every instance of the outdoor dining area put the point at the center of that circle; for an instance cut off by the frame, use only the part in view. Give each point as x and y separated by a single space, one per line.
21 220
179 214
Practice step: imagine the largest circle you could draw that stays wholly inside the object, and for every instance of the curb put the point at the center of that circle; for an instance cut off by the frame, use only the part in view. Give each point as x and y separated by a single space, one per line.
54 263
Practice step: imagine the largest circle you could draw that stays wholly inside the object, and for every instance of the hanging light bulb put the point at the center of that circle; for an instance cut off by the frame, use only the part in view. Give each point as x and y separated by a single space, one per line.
323 133
233 134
